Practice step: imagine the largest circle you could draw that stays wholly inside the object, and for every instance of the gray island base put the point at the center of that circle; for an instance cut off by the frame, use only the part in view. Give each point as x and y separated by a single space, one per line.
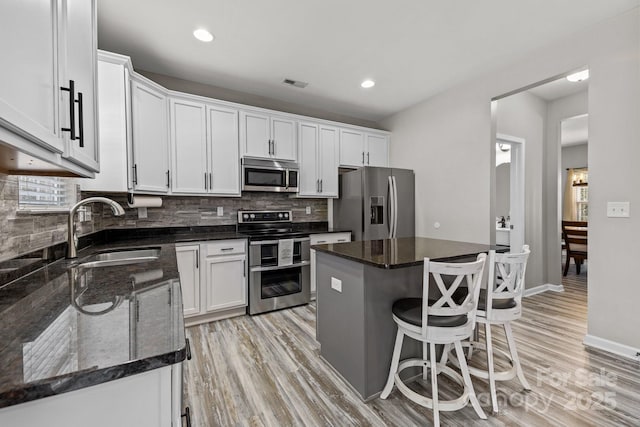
357 283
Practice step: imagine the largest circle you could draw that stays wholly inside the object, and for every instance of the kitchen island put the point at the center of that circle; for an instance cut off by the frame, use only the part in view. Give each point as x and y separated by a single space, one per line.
357 283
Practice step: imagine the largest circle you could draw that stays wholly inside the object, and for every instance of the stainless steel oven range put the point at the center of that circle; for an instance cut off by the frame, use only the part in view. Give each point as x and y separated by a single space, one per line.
279 261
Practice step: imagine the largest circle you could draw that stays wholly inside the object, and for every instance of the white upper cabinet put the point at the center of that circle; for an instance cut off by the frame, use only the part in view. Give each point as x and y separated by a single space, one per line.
224 153
377 150
318 160
29 90
47 45
267 137
188 146
78 64
363 149
114 132
150 138
204 148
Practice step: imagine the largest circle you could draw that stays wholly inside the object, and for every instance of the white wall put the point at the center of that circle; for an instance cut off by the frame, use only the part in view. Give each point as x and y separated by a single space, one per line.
447 140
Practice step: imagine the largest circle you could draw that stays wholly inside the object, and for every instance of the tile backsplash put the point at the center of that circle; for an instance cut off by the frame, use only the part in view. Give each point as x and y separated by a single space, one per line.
21 233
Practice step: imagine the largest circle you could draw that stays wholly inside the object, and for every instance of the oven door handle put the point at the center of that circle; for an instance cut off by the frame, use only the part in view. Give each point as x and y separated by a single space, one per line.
281 267
273 242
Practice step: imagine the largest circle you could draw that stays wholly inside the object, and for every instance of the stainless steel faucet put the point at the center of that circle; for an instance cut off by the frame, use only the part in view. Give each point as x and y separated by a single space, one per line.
72 238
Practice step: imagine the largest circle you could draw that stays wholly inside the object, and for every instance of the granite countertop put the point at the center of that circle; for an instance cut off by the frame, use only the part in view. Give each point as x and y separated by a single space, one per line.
404 252
64 327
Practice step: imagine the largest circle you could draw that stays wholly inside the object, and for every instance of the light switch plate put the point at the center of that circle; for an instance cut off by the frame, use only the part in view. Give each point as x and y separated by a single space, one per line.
220 210
618 209
336 284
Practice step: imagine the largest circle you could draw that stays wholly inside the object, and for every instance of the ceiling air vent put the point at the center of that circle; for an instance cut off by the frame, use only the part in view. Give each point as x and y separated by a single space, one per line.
295 83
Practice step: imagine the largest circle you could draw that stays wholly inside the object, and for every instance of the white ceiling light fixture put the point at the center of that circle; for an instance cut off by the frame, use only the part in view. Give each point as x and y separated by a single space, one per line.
368 84
579 76
203 35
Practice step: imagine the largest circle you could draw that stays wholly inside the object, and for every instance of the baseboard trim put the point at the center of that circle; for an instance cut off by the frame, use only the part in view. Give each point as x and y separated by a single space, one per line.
543 288
616 348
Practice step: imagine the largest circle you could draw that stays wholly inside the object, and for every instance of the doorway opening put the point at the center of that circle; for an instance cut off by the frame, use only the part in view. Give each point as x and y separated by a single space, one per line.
536 114
510 190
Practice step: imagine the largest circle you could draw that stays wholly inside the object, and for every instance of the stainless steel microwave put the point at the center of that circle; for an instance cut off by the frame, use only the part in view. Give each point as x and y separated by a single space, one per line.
269 175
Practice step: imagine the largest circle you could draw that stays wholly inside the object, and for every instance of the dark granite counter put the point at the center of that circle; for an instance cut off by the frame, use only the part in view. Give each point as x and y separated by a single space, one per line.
64 327
404 252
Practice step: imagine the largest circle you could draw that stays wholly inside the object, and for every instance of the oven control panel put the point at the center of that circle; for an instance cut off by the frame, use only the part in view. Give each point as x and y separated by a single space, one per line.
264 216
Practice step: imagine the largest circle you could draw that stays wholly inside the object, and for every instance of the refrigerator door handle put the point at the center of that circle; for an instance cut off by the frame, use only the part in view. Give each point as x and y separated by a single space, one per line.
395 207
391 212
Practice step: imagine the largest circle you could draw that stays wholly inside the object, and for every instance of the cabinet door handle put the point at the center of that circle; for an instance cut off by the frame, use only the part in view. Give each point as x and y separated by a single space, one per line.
80 120
72 110
244 268
205 181
368 157
168 179
187 415
363 157
197 258
317 185
210 180
135 174
188 349
321 185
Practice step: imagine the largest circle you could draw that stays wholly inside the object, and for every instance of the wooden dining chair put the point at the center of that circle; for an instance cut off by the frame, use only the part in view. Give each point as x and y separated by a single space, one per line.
574 234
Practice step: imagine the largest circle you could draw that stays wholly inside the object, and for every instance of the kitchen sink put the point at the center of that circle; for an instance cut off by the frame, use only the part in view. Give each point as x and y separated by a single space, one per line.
120 257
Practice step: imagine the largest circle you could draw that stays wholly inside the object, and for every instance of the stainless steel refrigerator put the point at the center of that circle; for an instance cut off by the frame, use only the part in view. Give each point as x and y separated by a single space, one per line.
376 203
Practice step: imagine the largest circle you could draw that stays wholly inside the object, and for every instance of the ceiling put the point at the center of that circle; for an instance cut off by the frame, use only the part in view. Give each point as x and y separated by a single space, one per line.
558 89
413 49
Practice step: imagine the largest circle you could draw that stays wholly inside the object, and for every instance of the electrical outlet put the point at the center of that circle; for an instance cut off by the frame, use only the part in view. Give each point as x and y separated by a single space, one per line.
142 213
308 210
618 209
336 284
220 210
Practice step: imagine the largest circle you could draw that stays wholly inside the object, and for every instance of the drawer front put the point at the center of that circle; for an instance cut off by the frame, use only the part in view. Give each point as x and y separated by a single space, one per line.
225 247
324 238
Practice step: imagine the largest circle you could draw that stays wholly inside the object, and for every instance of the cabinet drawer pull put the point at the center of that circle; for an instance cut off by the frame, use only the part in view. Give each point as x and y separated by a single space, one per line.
342 240
319 242
226 249
72 110
187 415
81 120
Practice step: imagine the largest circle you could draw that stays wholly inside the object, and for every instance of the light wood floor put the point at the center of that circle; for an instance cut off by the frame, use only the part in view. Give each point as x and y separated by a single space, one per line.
266 371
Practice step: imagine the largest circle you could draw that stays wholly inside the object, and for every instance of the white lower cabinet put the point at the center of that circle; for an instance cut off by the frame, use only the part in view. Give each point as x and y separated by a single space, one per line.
213 278
322 239
142 400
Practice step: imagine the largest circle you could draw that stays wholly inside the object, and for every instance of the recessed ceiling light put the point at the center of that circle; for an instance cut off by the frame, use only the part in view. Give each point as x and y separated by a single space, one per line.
579 76
368 83
203 35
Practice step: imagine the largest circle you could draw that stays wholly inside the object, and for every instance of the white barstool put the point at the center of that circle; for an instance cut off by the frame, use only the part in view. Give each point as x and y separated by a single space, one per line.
500 304
443 321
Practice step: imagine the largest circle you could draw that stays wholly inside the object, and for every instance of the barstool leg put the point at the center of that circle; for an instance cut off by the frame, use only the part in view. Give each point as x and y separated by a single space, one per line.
514 356
395 360
434 384
490 367
445 354
425 358
464 369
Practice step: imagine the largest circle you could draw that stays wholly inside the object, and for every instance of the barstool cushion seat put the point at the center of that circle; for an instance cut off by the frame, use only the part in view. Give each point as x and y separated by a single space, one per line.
410 311
497 304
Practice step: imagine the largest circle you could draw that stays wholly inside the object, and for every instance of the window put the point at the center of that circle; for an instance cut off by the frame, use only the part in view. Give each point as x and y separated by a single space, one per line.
46 193
582 203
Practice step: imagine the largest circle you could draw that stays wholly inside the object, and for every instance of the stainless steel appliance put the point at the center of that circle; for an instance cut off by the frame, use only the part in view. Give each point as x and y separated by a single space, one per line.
376 203
279 261
269 175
